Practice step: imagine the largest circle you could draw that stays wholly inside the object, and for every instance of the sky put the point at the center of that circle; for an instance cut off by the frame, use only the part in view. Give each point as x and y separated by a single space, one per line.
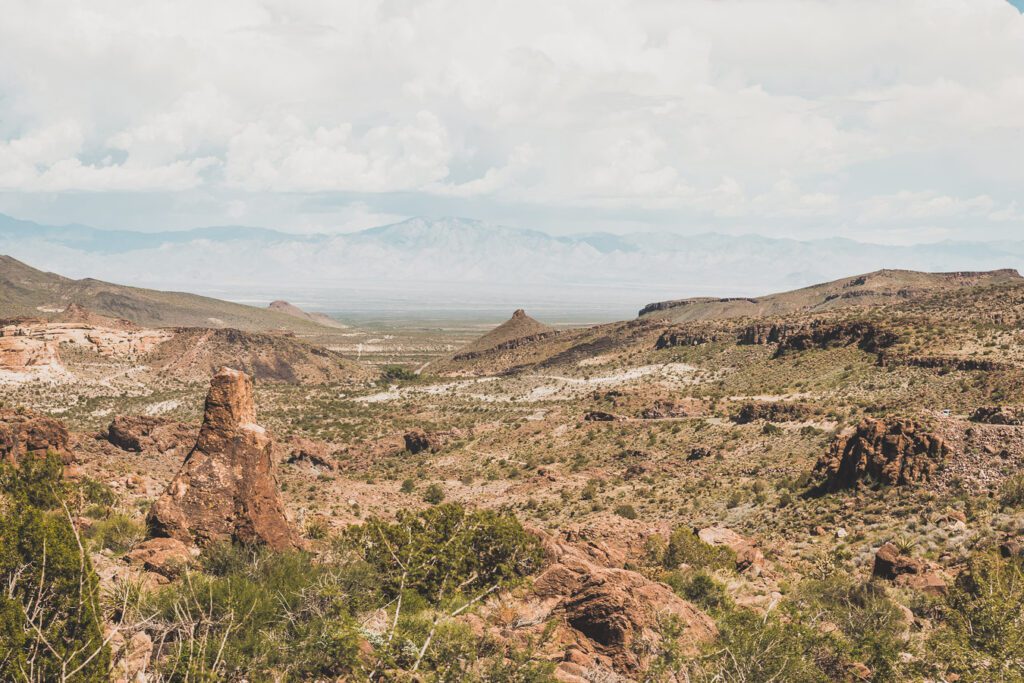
888 121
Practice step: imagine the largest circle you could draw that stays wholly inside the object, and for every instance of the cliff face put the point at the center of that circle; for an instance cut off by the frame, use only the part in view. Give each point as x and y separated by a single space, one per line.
227 487
896 452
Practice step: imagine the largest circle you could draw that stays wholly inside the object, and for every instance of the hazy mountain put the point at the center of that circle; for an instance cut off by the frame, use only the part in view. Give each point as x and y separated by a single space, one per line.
455 262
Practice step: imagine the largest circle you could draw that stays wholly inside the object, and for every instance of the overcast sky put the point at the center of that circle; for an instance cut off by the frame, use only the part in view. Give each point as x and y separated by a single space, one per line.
881 120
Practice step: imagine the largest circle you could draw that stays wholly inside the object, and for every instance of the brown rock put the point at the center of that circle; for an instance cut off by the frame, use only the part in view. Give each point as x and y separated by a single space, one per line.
164 556
131 657
417 441
25 432
890 563
139 433
599 416
315 453
226 489
614 615
897 452
621 612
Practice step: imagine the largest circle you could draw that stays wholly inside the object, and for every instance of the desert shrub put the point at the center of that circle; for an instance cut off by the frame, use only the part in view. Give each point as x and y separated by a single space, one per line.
50 615
434 494
118 532
397 373
262 612
684 547
699 588
626 511
1011 493
982 638
436 551
870 624
315 529
757 648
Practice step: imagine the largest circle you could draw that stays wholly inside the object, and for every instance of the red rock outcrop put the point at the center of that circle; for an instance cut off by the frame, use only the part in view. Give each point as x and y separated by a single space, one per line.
24 433
140 433
226 488
773 411
999 415
613 617
896 452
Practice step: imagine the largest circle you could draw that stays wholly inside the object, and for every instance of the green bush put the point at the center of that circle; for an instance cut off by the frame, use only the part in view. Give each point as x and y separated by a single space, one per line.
118 533
983 634
49 606
434 494
262 613
435 551
626 511
684 547
1011 493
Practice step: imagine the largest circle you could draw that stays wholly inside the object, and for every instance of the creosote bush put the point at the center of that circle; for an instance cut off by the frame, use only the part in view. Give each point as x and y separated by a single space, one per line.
50 615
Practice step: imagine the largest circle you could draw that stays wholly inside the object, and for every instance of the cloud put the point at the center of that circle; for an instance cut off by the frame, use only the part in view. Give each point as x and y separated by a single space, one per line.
789 114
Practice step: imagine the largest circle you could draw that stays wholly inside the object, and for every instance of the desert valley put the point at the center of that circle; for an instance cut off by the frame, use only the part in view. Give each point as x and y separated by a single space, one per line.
821 484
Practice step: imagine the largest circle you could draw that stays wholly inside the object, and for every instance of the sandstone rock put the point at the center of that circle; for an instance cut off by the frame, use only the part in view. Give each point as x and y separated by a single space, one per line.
890 563
139 433
614 615
897 452
315 453
164 556
226 488
25 432
417 441
131 657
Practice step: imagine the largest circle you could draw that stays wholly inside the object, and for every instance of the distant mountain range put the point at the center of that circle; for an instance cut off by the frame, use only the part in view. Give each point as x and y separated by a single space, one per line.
456 263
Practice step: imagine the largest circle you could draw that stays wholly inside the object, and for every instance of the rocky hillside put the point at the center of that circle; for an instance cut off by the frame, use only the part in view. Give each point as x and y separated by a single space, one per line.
878 288
25 291
193 354
296 312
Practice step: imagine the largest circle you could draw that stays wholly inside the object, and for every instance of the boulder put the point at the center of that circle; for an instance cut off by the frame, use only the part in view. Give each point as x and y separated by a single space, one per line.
27 433
614 616
892 565
417 440
315 453
226 488
164 556
139 433
894 452
599 416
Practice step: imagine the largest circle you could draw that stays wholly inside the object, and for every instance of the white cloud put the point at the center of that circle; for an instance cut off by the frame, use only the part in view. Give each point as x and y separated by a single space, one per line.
783 112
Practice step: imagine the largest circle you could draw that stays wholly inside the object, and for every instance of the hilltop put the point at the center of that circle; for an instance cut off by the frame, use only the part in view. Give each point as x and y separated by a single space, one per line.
26 291
878 288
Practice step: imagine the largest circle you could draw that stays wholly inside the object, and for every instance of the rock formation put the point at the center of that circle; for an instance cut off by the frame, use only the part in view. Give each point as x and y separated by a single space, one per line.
895 452
773 411
613 615
818 334
226 488
999 415
140 433
518 330
27 433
